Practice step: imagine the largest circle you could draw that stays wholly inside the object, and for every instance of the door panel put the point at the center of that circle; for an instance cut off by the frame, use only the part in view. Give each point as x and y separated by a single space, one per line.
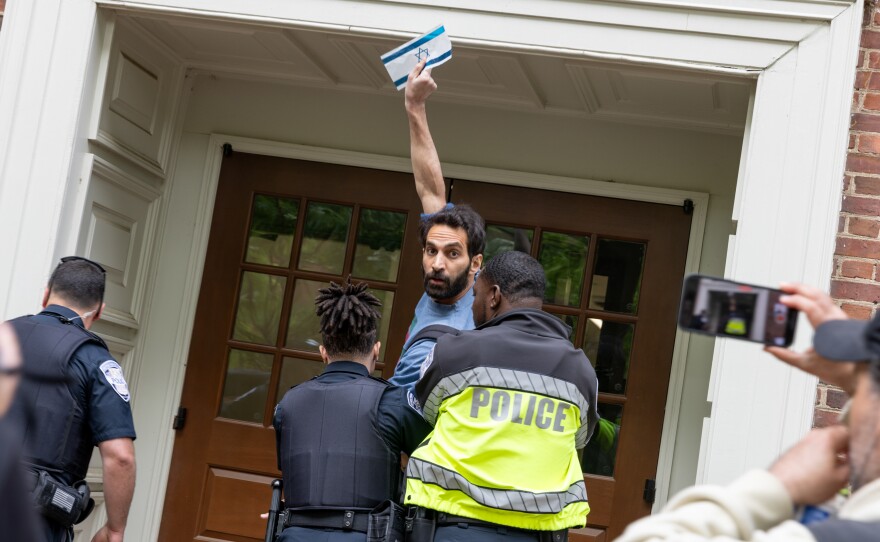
282 229
614 270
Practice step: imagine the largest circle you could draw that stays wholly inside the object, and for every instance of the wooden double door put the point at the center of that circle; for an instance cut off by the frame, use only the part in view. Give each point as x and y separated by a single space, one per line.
284 228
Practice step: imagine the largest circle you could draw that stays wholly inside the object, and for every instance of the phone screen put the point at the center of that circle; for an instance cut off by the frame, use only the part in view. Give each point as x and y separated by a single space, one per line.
725 308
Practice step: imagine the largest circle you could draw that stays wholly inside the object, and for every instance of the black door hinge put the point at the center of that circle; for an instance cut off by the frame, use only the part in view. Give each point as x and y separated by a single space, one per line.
227 149
688 206
650 491
180 419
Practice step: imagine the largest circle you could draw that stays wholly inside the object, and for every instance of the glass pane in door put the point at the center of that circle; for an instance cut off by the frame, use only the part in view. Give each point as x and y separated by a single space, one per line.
564 258
608 345
504 238
304 327
296 371
273 225
617 277
247 385
387 299
379 240
259 308
325 235
600 454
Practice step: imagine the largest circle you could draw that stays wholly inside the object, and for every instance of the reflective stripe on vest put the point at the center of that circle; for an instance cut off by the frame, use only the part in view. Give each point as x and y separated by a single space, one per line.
492 377
502 499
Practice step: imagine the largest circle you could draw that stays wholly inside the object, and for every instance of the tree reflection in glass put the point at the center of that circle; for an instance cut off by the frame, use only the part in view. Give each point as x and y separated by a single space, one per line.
273 224
259 308
564 258
325 235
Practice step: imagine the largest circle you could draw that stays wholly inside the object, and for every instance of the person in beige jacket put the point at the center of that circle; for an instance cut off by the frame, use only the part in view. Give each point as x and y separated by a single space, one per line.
761 505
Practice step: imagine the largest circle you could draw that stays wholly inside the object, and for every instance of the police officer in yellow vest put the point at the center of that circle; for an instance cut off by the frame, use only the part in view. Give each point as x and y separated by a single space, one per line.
511 402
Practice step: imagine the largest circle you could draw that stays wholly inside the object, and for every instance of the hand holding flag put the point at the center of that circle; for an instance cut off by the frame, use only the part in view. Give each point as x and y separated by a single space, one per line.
434 48
419 85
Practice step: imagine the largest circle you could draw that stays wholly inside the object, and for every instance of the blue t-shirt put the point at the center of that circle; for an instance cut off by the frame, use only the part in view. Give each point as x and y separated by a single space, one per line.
428 312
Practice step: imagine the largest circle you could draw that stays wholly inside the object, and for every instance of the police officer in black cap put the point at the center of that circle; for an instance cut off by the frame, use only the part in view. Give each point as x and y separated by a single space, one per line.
62 423
340 434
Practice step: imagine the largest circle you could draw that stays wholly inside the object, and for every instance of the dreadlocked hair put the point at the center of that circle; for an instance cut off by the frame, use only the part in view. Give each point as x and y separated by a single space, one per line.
349 318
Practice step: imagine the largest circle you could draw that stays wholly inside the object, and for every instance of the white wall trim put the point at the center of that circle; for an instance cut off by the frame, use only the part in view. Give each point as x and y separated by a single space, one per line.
739 36
157 481
787 209
679 365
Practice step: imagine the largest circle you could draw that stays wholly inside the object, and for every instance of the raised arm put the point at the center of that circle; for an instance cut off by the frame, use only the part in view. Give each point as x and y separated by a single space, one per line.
425 162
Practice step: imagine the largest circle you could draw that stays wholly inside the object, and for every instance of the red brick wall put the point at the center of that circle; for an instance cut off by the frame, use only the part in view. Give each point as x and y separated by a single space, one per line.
855 281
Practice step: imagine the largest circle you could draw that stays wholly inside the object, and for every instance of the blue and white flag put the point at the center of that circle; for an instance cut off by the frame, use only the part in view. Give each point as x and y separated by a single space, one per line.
435 46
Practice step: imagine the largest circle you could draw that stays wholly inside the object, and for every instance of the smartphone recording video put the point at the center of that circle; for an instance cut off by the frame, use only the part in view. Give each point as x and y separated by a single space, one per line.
725 308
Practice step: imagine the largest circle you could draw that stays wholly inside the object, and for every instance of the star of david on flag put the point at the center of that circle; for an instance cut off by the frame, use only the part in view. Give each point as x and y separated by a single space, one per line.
434 46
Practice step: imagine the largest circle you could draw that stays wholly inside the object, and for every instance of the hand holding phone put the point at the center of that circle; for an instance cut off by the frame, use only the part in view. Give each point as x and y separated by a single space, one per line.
724 308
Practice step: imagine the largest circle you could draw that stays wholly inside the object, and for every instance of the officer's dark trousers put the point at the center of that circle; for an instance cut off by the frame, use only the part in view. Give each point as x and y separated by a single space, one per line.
302 534
479 533
52 532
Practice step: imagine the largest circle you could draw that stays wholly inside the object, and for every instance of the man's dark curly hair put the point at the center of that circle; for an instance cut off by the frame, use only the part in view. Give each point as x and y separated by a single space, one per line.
349 318
460 216
517 274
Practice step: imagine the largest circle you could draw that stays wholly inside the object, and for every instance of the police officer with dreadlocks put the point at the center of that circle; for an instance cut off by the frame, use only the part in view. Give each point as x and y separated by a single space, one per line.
340 435
61 423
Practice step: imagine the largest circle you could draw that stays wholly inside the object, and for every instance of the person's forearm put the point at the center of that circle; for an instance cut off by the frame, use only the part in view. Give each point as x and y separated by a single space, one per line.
425 161
119 478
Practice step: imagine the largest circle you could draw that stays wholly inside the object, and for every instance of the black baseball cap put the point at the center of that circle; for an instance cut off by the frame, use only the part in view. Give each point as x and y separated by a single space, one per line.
849 340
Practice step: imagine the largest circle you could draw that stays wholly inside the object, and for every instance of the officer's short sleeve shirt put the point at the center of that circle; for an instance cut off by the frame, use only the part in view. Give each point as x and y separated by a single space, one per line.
105 393
99 387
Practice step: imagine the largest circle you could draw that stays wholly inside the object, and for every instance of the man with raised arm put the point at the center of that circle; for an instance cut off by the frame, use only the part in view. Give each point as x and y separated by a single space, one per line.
511 403
453 238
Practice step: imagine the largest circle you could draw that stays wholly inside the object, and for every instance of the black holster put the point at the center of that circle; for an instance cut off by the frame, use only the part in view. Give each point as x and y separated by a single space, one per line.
420 524
386 523
61 503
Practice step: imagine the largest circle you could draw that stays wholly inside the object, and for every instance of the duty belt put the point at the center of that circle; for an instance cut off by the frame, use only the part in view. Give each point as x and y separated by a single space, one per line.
444 519
346 520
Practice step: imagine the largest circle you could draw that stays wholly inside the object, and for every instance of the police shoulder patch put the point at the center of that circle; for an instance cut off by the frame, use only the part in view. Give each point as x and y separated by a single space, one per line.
413 401
427 363
113 374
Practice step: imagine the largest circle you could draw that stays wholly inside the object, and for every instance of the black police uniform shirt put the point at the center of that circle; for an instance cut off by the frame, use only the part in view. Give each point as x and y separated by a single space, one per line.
96 384
400 423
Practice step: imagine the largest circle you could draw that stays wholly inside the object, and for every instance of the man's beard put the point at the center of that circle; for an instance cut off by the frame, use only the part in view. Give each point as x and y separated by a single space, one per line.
451 287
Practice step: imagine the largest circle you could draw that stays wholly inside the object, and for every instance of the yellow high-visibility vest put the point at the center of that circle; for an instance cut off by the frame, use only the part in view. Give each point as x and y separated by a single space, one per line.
504 456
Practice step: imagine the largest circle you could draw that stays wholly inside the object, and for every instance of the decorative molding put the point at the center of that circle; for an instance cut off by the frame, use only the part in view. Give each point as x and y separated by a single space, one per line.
119 177
112 144
132 123
122 225
142 115
120 318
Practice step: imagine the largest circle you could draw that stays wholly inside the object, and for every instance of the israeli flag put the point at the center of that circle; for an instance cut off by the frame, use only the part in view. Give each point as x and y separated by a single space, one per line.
435 46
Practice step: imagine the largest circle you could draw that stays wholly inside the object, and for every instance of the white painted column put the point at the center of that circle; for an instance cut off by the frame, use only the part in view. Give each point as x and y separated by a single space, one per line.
44 58
787 204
